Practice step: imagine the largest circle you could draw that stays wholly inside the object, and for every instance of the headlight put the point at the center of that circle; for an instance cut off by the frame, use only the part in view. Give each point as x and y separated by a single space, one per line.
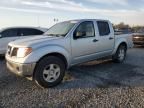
136 37
22 52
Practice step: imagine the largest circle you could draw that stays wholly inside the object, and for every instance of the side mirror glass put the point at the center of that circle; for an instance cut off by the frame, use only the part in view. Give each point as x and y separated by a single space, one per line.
0 36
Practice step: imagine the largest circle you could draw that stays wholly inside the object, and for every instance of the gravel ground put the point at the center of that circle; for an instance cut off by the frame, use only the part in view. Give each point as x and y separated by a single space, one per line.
101 84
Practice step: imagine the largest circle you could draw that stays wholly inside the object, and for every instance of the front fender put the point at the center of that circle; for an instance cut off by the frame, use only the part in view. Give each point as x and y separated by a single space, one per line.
37 54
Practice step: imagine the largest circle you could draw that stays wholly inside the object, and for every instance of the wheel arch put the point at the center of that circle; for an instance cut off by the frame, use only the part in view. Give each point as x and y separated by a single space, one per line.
122 42
56 54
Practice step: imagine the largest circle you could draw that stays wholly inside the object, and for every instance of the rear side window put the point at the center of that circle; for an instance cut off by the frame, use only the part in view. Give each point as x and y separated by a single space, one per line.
10 33
27 32
103 28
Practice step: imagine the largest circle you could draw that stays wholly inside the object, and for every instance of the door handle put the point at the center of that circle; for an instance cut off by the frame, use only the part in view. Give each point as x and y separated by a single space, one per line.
111 38
95 40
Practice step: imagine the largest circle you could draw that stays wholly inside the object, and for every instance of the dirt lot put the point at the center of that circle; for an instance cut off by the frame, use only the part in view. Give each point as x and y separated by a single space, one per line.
102 84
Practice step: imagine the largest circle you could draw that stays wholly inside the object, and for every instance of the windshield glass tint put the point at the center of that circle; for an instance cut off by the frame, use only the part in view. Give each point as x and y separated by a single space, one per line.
60 29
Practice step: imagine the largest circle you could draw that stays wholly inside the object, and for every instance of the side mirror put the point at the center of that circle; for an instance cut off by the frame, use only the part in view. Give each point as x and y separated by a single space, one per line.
79 34
0 36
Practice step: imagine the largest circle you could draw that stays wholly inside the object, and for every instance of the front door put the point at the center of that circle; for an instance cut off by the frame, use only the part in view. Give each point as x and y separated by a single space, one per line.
84 42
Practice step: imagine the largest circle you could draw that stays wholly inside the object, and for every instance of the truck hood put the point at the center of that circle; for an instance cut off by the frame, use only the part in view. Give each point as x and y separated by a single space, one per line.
34 40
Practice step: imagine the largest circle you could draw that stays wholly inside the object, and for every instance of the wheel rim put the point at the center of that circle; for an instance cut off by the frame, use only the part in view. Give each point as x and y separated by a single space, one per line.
121 54
51 72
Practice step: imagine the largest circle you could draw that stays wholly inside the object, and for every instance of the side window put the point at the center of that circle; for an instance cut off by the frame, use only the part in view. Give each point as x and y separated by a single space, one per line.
103 28
85 29
37 32
9 33
29 31
34 32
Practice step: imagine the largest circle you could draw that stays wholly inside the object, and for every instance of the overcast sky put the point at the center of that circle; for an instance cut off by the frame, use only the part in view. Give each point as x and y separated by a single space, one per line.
43 12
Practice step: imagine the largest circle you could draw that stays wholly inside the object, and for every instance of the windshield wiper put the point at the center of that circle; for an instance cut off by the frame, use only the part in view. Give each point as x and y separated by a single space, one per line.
57 35
49 34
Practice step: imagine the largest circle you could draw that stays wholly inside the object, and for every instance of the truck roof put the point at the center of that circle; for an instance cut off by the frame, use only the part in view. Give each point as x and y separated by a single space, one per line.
88 19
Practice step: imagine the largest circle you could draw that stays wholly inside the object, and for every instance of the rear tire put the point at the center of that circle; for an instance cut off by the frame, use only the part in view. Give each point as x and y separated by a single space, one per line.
49 72
120 54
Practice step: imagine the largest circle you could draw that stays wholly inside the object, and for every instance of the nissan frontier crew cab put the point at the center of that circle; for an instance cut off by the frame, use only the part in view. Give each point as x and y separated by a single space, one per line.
46 57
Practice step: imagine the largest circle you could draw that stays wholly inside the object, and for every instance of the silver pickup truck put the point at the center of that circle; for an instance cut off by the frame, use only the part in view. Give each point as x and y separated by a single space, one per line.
45 58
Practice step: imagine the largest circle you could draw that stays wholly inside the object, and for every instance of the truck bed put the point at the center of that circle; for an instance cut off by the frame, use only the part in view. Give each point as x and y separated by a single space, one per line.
127 37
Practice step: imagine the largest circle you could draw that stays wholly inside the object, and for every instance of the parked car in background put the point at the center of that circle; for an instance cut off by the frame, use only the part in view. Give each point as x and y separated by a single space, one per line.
123 31
138 39
10 34
46 57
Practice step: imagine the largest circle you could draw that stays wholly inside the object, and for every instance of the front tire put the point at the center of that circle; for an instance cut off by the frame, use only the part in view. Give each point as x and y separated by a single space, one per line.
120 54
49 72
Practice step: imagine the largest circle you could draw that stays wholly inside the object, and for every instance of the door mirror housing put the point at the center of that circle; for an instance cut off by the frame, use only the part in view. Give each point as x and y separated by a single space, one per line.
79 34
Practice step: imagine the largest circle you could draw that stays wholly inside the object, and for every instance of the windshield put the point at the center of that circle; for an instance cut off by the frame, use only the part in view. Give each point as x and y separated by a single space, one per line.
60 29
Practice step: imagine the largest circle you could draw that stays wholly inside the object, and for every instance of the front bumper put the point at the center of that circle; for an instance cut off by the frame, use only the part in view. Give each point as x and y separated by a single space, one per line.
21 69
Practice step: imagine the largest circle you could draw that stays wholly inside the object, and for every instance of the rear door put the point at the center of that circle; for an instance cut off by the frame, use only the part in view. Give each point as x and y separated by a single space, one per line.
7 36
105 38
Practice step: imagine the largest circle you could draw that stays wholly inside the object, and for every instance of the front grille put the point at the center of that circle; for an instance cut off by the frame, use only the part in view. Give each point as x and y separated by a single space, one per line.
14 52
11 51
137 38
